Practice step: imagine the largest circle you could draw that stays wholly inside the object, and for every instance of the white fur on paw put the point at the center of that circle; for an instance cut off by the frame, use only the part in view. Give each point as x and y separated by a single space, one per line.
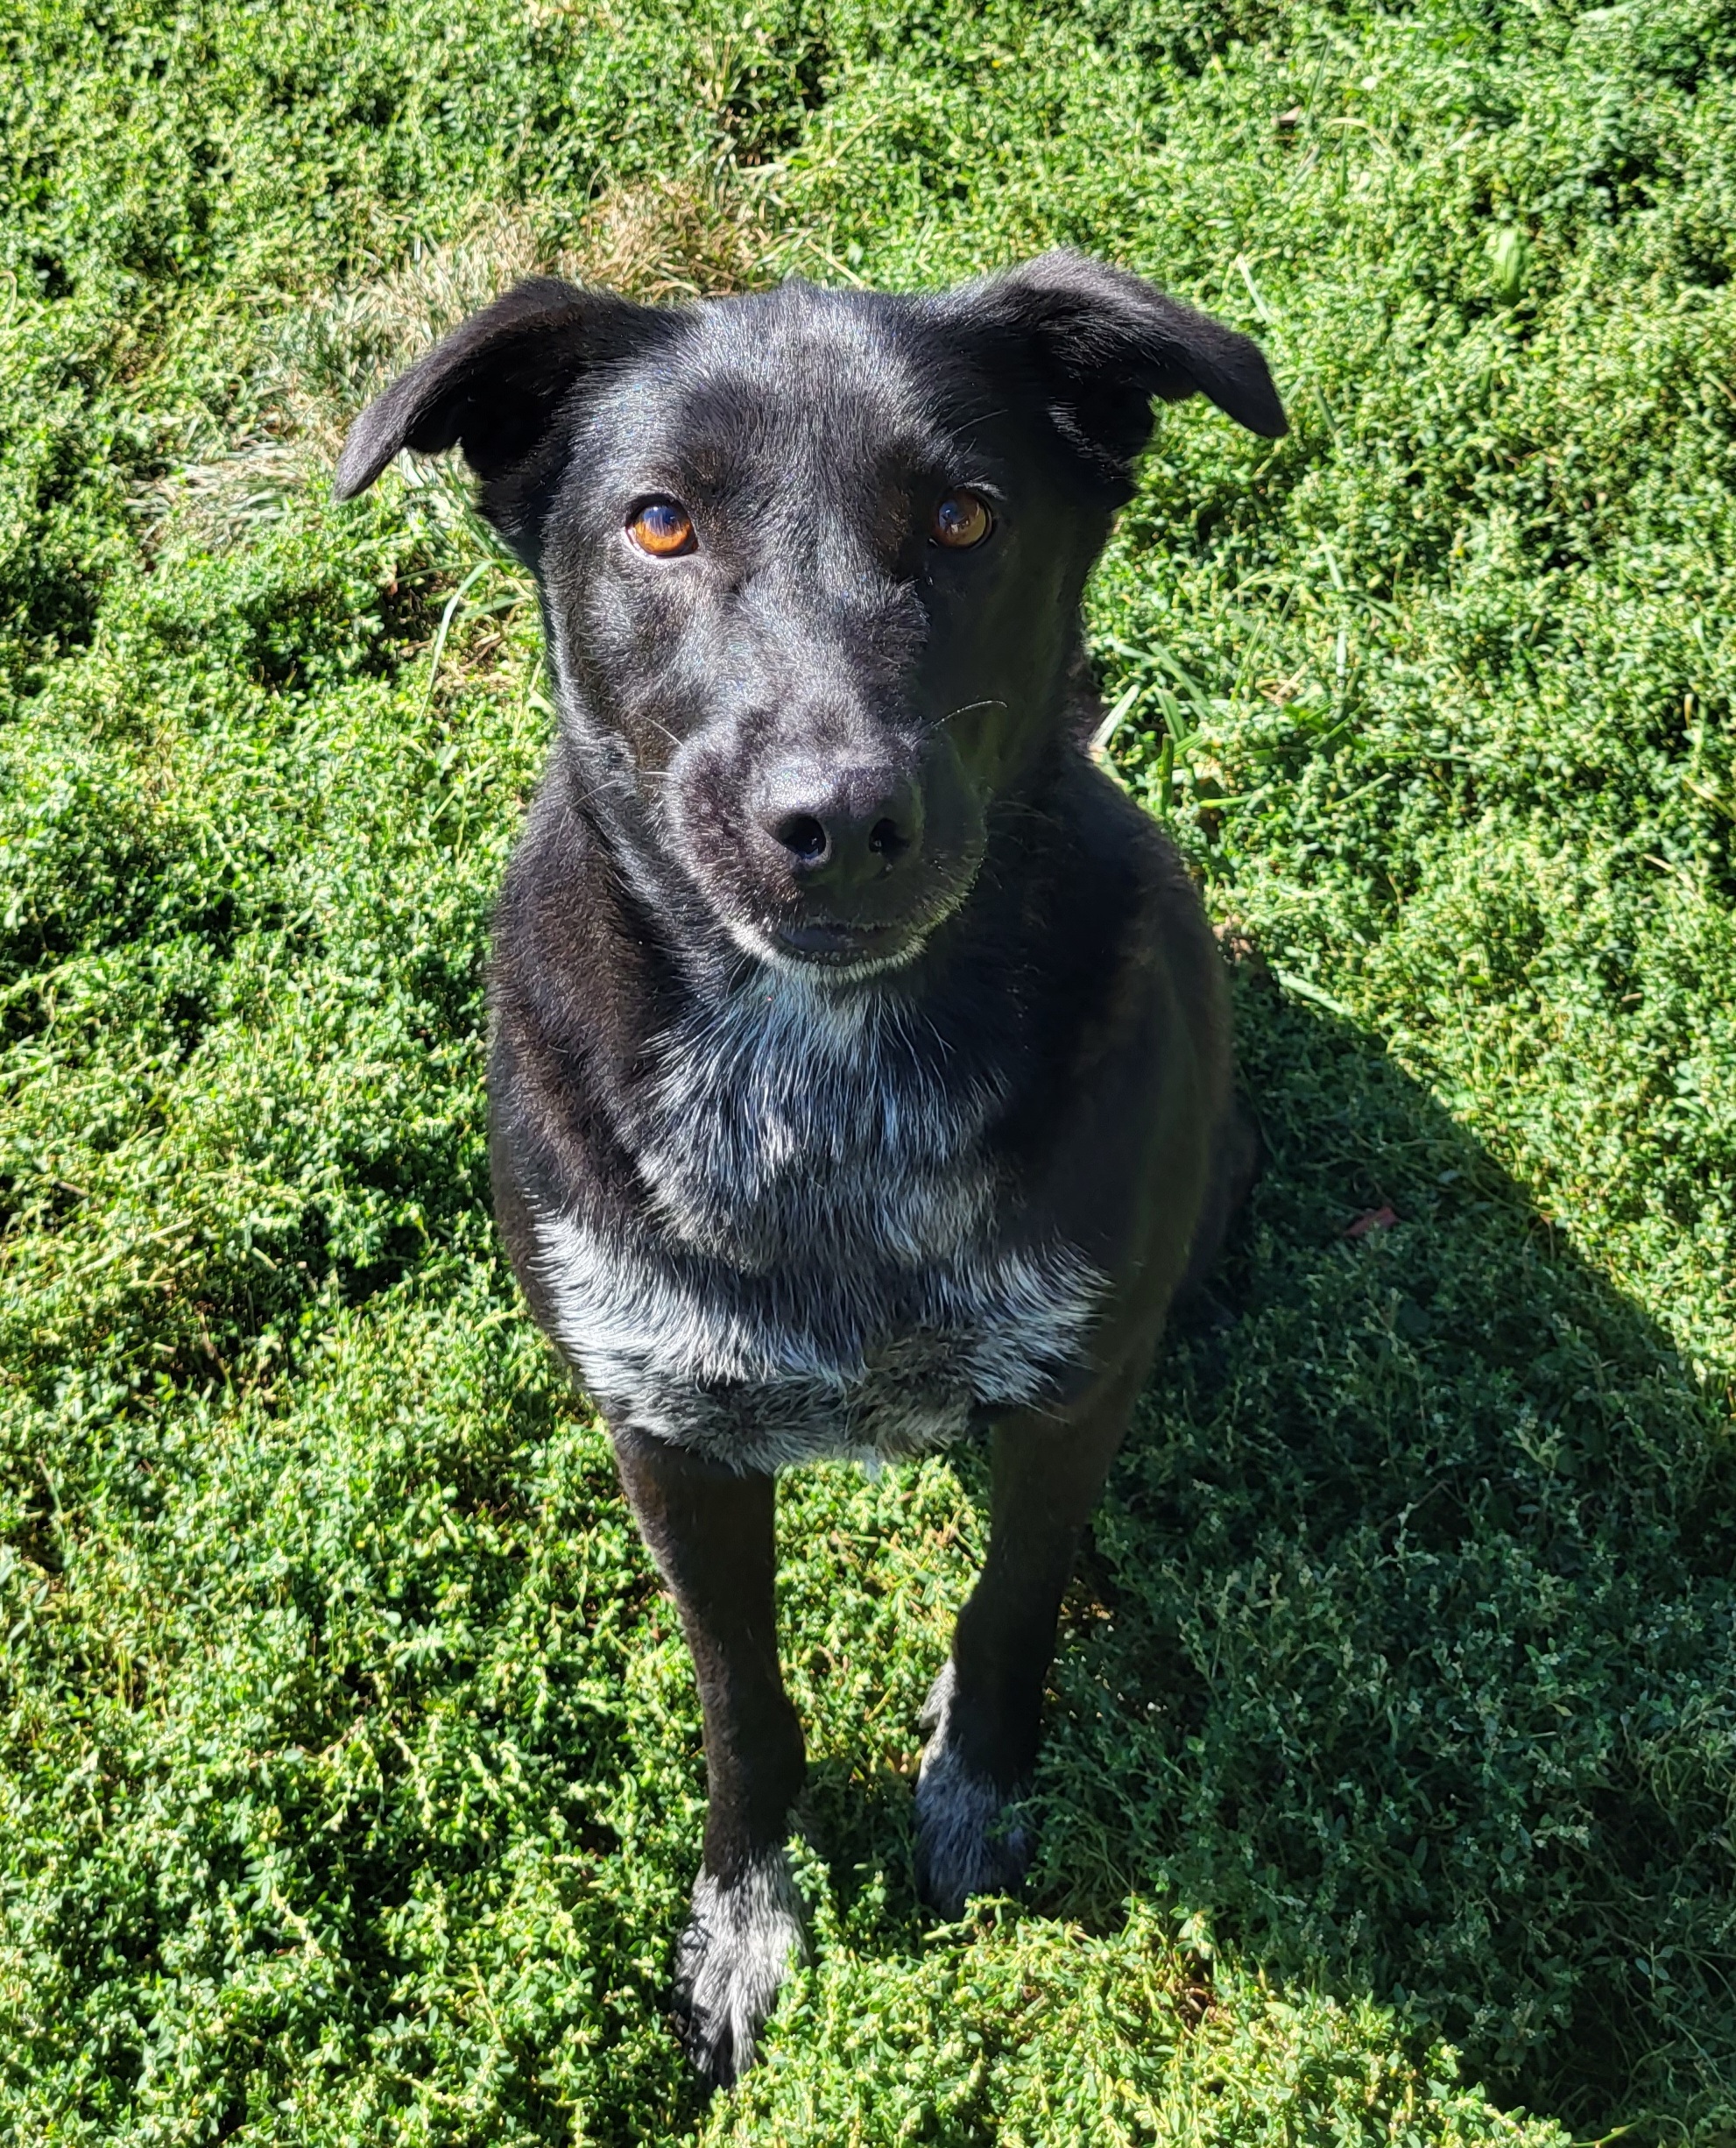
740 1939
966 1843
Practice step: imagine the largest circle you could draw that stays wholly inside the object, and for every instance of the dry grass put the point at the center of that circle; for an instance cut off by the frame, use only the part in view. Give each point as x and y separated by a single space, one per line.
668 241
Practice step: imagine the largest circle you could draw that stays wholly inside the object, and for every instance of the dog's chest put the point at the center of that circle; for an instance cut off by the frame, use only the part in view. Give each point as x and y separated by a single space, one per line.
825 1271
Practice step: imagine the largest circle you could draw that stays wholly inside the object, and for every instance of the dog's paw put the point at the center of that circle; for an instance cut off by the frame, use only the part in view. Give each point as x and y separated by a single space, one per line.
742 1937
967 1841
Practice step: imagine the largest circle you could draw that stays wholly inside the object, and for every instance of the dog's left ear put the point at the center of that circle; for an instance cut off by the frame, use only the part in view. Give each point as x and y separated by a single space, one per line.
1104 344
496 384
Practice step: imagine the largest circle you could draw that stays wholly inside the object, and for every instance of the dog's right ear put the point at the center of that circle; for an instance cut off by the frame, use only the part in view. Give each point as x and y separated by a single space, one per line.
1102 344
494 386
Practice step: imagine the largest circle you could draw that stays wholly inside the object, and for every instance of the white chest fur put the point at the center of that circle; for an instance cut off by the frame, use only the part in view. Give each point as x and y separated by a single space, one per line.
822 1274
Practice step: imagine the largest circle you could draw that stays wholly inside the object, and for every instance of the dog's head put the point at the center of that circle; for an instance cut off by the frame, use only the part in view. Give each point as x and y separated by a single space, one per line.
811 562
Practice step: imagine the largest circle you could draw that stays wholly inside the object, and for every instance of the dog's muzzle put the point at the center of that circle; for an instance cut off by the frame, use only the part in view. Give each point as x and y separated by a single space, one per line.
841 865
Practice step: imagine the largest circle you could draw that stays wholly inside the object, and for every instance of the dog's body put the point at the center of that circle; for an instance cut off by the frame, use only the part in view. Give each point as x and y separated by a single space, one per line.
816 1225
860 1071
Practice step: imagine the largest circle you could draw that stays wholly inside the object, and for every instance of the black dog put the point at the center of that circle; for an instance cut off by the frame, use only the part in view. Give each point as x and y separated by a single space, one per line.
861 1070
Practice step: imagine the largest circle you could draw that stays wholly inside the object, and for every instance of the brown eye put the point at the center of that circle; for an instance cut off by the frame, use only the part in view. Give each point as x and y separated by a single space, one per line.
662 527
962 520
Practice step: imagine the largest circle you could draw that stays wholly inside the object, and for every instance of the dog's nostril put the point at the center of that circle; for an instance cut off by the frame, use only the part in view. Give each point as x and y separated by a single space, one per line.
884 838
802 834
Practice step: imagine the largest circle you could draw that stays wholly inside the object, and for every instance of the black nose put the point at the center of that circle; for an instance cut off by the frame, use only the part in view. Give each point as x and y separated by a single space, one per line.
844 830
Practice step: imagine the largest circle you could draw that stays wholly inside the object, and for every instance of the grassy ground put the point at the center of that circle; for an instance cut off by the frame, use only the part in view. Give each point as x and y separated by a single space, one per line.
351 1786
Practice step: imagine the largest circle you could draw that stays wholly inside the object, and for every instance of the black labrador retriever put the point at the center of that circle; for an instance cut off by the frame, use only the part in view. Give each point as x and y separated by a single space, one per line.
860 1069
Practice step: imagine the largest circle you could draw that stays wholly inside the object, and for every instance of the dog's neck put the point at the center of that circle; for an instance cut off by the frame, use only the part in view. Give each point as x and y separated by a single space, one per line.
789 1119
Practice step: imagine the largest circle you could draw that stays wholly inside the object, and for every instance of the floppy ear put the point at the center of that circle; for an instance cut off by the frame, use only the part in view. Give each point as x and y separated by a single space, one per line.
1103 344
494 384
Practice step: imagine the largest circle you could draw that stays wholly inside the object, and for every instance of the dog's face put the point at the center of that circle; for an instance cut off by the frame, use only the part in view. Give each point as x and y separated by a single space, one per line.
811 563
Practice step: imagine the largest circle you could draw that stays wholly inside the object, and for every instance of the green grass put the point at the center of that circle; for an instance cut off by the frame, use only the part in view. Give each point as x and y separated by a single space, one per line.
351 1785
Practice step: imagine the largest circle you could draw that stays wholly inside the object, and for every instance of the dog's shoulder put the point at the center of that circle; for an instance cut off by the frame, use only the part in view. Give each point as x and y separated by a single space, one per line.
1112 945
561 963
575 999
1124 1067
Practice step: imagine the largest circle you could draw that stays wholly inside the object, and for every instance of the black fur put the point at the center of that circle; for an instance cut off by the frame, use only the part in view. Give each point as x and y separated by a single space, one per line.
860 1069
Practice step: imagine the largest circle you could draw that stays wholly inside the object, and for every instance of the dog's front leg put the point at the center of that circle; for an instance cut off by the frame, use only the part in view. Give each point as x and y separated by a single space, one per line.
712 1535
983 1715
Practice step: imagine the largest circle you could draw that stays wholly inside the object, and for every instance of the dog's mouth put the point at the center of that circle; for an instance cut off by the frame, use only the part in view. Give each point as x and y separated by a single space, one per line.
833 944
843 950
835 950
832 951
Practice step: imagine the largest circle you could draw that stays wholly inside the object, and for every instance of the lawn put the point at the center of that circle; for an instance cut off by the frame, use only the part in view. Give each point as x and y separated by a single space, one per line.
351 1786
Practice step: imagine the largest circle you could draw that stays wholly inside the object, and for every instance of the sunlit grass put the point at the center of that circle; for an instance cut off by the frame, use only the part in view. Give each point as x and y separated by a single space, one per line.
352 1785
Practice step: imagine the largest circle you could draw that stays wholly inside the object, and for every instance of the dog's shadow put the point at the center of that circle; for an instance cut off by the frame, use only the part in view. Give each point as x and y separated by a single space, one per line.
1405 1645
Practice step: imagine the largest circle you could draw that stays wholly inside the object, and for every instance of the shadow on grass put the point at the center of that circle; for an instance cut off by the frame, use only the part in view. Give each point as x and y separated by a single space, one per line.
1405 1648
